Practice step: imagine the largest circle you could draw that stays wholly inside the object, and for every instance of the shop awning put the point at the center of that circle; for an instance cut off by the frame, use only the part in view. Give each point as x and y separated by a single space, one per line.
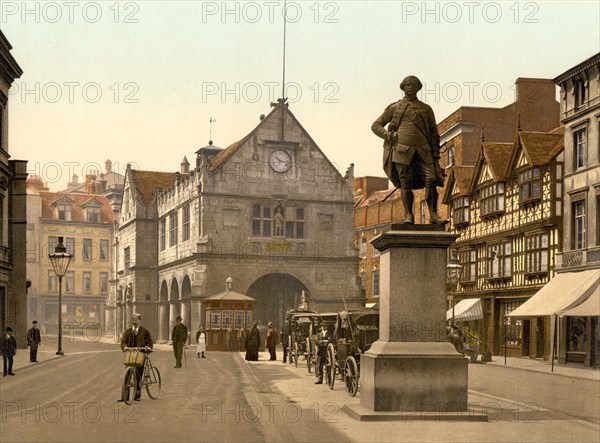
588 308
466 310
566 290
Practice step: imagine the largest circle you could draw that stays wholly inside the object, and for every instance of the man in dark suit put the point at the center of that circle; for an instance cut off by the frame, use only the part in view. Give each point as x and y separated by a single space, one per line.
8 347
137 337
179 338
34 339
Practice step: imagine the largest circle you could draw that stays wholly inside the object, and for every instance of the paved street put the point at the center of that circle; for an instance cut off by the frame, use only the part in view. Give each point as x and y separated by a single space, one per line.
224 398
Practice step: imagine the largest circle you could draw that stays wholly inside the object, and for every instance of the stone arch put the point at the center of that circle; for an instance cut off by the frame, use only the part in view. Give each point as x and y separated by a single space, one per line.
174 303
275 293
163 312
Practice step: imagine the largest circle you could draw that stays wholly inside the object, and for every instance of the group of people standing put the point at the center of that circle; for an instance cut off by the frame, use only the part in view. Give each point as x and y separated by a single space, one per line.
8 347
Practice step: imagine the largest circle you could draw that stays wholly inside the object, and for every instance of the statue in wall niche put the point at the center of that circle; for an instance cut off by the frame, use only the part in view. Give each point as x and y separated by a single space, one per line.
278 222
411 149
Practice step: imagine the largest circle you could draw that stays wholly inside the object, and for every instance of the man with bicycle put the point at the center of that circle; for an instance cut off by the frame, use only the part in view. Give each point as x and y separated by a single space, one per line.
137 337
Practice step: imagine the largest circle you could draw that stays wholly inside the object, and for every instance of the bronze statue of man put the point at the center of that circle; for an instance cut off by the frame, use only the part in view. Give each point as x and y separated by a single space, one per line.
411 148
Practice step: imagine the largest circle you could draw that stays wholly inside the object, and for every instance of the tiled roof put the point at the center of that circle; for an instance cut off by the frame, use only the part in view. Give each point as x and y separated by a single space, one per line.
146 182
78 213
230 296
462 176
497 155
378 197
541 147
224 155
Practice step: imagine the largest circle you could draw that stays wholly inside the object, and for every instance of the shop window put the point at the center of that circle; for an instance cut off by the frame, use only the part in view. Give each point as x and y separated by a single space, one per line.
513 325
576 335
227 319
491 199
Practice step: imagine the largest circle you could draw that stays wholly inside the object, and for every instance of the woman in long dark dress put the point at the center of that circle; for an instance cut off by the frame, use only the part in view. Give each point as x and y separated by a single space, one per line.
253 343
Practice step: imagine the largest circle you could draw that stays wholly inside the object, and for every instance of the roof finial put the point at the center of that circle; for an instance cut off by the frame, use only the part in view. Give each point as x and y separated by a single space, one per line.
482 137
229 284
211 121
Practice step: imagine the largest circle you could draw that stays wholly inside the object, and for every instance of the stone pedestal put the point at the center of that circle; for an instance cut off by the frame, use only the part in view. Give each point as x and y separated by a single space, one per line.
412 367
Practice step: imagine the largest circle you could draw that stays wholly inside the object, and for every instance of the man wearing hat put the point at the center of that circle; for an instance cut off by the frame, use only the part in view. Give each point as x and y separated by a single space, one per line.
179 338
34 339
272 337
8 347
137 337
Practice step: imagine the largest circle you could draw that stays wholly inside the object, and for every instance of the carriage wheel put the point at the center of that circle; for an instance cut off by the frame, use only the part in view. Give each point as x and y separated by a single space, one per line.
308 355
330 366
351 376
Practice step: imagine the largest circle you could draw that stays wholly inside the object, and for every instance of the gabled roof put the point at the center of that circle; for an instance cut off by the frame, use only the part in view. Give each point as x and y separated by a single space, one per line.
460 176
78 214
492 157
221 158
539 148
146 182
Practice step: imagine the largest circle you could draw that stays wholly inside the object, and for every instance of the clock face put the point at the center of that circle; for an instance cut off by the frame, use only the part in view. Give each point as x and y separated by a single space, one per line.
280 161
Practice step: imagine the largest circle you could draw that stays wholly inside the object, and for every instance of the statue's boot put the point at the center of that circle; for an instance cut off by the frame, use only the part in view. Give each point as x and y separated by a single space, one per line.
407 201
431 196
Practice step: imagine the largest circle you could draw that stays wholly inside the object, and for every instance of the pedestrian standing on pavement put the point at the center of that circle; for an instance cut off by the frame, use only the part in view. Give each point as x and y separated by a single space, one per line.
253 343
285 339
201 341
230 339
179 337
272 338
242 334
137 337
322 342
34 339
8 347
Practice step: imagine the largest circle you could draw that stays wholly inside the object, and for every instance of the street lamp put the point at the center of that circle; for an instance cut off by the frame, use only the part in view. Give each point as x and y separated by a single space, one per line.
60 260
453 271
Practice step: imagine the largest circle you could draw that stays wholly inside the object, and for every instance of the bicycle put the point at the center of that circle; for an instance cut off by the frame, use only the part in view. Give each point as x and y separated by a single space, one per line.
135 358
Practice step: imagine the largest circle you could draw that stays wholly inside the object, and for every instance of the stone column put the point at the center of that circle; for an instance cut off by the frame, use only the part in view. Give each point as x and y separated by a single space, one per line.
412 367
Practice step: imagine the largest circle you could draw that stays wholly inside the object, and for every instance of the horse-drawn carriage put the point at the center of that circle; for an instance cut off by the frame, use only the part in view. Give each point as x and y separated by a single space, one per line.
298 324
355 331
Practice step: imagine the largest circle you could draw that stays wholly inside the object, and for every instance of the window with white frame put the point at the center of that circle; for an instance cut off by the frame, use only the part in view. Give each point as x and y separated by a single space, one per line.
580 92
63 211
536 253
87 249
70 281
530 185
491 199
238 321
227 319
468 259
499 260
103 250
70 245
215 319
460 210
51 281
363 247
104 282
579 225
52 243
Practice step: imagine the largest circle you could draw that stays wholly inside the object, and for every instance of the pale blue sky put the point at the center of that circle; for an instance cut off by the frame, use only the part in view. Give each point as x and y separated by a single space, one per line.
347 61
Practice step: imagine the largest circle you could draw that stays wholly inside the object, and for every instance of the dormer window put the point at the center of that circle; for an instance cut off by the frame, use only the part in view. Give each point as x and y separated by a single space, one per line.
63 211
491 199
93 215
530 185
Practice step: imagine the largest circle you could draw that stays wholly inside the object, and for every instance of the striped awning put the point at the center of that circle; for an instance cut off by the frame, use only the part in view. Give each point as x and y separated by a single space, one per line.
466 310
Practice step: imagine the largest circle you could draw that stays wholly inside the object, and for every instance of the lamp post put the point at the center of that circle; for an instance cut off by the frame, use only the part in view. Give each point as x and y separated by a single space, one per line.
453 271
60 260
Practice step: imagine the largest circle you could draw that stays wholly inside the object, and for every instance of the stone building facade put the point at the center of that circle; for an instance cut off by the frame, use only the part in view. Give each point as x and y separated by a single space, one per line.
270 211
85 221
579 330
13 211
